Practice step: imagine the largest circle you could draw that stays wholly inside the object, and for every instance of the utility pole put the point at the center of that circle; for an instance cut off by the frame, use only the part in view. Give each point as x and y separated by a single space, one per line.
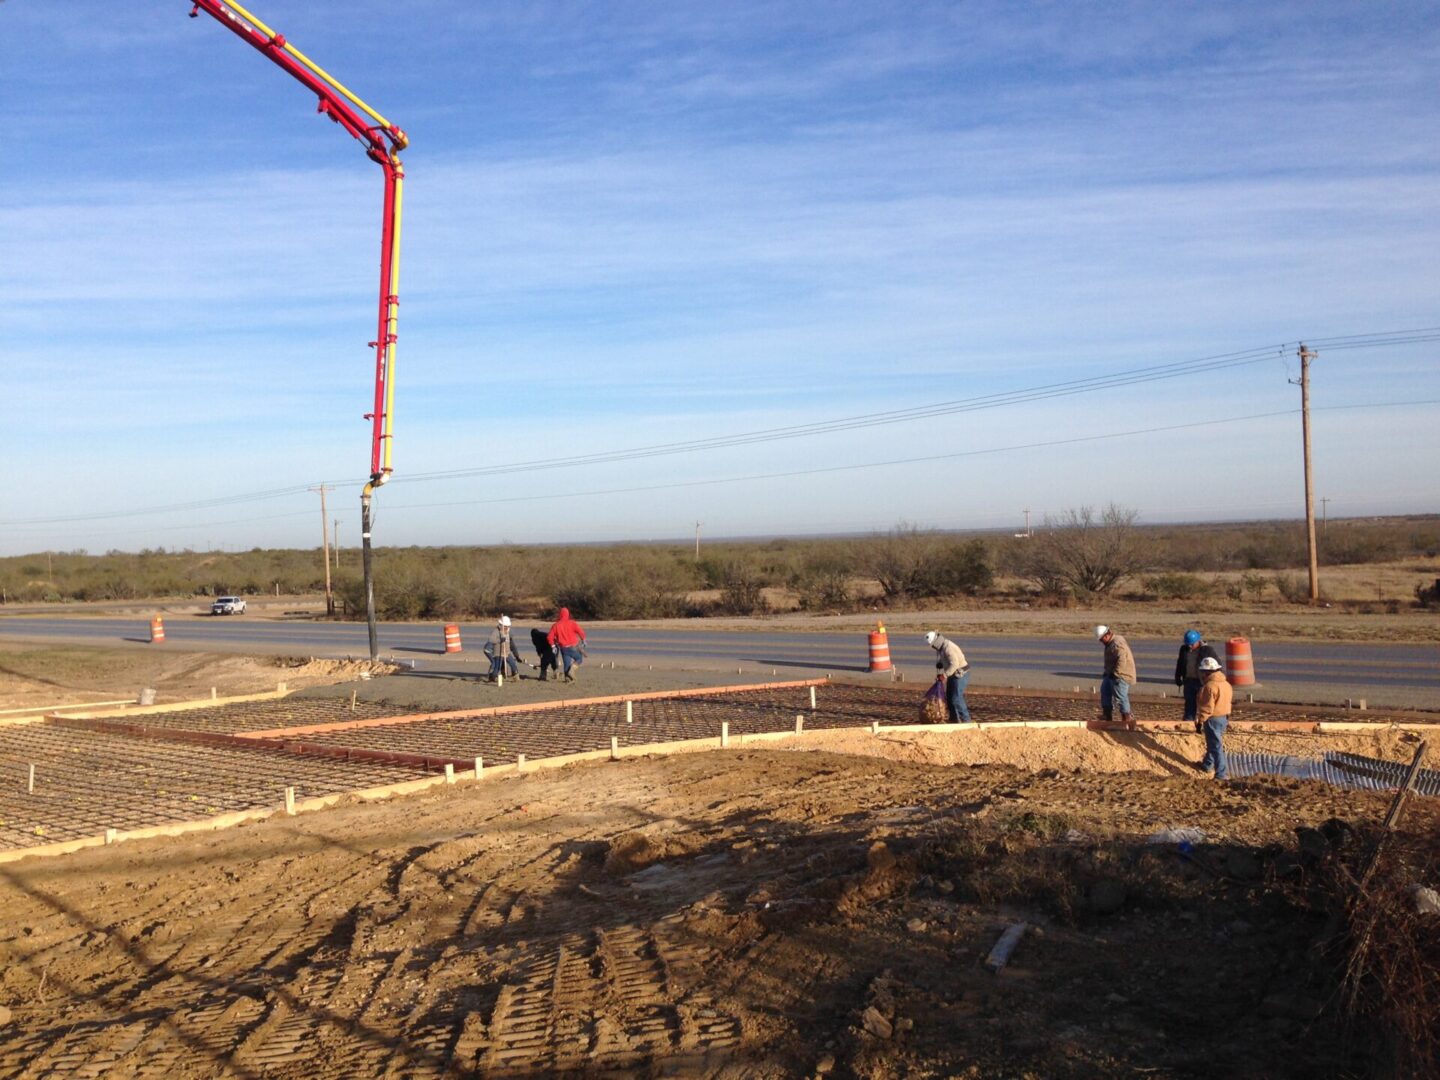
1027 522
336 547
325 549
1306 355
1324 516
697 541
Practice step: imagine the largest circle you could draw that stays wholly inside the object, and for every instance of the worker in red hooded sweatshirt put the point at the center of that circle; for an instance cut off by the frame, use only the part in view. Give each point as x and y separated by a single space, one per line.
568 639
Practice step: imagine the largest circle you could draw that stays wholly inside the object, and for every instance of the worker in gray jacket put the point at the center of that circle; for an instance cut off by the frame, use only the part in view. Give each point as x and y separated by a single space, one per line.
951 667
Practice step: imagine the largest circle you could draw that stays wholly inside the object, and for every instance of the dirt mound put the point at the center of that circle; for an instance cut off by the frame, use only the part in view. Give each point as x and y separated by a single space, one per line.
636 850
318 671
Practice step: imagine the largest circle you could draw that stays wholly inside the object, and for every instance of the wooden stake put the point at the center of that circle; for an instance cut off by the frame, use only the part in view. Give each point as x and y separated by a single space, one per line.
214 694
290 801
724 734
479 768
800 724
449 773
629 712
110 836
519 762
352 699
812 699
30 787
874 727
614 748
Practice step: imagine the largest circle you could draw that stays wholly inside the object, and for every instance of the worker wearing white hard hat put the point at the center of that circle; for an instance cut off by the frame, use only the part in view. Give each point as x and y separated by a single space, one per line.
500 648
953 670
1212 716
1118 677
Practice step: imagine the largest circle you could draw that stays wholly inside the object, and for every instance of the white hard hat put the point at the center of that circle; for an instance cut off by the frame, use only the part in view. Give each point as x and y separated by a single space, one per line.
1101 631
930 637
1209 663
504 620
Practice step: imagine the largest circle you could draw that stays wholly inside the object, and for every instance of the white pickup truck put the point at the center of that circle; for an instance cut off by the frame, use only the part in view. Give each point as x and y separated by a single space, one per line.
228 605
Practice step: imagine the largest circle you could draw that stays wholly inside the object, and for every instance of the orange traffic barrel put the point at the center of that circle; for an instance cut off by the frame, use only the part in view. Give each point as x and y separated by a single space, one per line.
879 649
1239 668
157 630
452 637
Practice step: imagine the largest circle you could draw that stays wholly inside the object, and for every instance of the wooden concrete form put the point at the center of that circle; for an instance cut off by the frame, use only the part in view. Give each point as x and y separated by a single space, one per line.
18 721
174 706
42 709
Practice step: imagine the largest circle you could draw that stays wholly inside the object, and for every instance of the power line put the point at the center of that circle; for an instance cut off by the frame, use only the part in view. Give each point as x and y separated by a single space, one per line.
911 460
1048 391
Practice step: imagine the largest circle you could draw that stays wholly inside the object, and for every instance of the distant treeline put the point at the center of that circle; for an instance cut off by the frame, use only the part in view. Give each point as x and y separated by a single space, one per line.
623 581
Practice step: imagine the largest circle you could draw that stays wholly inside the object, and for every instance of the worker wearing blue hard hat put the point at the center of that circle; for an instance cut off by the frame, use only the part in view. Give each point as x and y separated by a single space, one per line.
1188 674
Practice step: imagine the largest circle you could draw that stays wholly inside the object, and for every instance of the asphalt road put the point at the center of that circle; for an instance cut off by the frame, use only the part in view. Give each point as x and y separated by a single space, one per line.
1395 676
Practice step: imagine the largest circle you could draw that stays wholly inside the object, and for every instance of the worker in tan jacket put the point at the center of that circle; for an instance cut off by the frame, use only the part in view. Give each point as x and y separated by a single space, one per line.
1212 715
1119 675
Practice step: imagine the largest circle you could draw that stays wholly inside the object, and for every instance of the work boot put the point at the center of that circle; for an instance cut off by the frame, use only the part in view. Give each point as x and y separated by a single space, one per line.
1105 717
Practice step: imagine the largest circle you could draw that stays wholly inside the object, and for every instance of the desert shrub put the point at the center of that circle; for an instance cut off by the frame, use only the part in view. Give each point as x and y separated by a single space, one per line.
1085 553
740 591
1253 585
910 563
958 567
1428 595
897 560
1292 588
823 582
1176 586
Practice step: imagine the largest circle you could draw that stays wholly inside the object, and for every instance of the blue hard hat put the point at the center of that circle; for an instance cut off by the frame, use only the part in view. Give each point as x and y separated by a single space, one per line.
1192 637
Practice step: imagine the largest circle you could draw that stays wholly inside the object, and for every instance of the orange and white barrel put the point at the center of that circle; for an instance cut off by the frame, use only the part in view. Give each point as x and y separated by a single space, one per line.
452 638
157 630
1239 667
879 649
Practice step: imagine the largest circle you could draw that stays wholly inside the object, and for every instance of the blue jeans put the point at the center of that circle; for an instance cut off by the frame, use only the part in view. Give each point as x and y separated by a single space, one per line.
1192 698
571 655
955 698
1215 747
497 665
1114 691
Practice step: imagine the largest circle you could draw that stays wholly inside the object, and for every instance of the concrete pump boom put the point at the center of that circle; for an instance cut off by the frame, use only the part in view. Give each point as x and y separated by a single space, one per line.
383 142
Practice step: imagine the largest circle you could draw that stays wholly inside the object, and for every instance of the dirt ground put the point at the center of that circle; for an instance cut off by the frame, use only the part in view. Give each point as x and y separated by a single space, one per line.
50 676
740 913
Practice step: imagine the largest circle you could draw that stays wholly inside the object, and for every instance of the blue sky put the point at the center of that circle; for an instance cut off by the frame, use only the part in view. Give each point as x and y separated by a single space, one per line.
630 224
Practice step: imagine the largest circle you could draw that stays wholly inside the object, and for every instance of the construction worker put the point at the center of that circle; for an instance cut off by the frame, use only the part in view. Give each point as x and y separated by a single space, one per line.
951 668
567 638
1212 716
500 648
1118 677
1187 668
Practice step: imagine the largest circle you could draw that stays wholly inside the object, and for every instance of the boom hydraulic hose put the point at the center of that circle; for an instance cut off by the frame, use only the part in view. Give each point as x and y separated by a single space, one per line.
383 142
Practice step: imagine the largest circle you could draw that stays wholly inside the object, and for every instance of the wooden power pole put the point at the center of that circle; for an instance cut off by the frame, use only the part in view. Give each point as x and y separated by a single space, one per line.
697 541
325 550
1306 355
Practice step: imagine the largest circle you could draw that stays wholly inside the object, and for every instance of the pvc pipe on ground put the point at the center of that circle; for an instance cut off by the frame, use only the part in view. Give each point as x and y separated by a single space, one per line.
1000 954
